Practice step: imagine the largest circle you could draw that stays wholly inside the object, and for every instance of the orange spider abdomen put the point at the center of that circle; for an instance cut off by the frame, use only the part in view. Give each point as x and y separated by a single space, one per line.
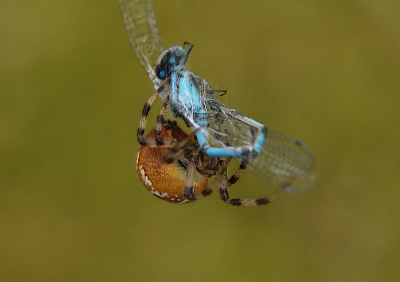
166 181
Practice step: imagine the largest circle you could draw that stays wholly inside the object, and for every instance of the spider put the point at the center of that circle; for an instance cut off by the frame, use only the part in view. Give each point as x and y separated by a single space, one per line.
175 169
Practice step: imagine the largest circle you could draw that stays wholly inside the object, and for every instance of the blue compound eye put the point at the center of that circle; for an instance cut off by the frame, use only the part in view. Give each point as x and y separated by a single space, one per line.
161 71
170 58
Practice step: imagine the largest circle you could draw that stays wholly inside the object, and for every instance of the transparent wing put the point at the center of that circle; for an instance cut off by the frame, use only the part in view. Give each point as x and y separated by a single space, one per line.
285 162
224 130
141 26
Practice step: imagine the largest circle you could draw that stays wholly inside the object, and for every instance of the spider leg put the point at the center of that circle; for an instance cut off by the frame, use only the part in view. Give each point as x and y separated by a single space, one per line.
175 153
160 119
189 185
142 124
223 191
249 202
189 192
235 177
221 179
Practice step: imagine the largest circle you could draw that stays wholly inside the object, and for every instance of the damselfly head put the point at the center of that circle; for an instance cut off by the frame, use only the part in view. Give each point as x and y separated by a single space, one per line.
168 60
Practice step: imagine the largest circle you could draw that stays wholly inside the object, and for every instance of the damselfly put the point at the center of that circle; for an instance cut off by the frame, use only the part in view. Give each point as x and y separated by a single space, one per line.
283 161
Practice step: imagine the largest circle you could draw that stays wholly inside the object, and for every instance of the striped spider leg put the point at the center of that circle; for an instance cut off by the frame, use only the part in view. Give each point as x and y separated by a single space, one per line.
179 172
156 141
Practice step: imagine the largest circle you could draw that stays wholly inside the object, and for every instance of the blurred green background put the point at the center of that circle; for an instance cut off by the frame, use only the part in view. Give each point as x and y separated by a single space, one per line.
72 207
